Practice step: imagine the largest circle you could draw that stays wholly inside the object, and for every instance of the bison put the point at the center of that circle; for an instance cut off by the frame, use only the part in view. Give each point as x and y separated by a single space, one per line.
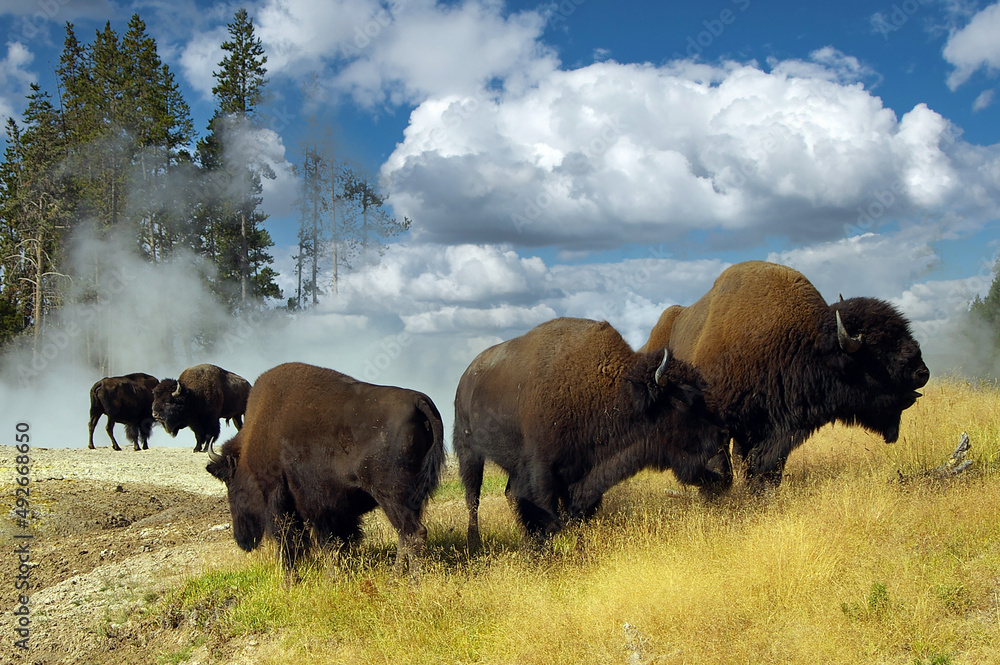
319 450
783 363
124 399
198 398
568 410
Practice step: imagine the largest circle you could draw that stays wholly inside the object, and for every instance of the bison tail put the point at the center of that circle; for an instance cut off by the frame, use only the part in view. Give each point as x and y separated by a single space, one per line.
430 471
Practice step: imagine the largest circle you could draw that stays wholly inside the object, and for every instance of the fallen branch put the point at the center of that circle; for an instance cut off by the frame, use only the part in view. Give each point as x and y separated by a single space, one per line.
955 464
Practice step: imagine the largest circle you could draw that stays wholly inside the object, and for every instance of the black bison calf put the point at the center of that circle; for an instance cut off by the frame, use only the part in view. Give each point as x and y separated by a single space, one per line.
783 363
568 410
198 398
124 399
321 449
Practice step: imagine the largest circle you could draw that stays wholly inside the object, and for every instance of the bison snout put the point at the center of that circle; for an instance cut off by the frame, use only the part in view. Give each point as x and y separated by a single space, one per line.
921 377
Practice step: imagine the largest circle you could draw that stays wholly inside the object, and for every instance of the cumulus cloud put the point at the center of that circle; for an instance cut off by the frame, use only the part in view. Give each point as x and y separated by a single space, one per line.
874 265
377 53
612 154
15 80
974 46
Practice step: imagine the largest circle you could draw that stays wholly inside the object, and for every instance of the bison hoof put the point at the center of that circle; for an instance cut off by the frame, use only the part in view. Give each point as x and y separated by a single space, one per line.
473 542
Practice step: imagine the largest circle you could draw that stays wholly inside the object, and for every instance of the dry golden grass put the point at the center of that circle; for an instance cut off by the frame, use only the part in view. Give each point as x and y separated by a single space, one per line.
845 564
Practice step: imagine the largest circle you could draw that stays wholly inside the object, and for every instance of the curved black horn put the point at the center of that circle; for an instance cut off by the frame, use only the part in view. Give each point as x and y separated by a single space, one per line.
662 368
847 343
212 455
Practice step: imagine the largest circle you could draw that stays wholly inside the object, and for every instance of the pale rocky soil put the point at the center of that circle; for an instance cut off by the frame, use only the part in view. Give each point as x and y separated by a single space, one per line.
113 531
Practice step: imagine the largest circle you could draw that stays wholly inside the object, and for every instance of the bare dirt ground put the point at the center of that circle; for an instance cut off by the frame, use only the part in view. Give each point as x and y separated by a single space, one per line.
110 533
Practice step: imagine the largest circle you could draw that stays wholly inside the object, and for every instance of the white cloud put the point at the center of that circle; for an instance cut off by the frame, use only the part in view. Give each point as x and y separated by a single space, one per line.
974 46
613 154
984 100
201 57
874 265
15 80
426 48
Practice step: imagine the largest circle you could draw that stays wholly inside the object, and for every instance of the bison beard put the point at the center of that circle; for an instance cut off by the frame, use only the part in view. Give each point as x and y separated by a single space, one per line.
568 410
124 399
320 449
783 363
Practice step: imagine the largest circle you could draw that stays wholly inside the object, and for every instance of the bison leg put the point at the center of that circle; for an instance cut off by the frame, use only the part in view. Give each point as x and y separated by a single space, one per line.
111 432
238 420
412 535
145 429
132 434
470 466
287 528
765 462
536 506
94 417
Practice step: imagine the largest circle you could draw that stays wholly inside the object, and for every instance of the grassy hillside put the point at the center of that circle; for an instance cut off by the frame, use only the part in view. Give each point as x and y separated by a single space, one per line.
846 564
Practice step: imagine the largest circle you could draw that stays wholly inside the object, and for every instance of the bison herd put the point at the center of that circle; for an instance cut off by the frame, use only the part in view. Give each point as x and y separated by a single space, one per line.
741 377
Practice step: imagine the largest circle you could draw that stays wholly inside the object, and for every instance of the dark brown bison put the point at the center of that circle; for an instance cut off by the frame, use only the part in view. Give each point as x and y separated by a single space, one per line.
198 398
568 410
321 449
783 363
124 399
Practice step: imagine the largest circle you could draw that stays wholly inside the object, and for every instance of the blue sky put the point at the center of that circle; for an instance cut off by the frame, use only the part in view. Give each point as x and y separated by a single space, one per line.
607 160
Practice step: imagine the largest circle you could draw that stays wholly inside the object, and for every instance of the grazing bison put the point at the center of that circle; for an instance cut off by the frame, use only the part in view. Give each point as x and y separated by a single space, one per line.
321 449
568 410
124 399
783 363
198 398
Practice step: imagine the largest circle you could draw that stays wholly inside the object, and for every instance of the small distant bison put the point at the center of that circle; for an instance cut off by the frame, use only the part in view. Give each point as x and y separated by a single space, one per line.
198 398
124 399
783 363
568 410
319 450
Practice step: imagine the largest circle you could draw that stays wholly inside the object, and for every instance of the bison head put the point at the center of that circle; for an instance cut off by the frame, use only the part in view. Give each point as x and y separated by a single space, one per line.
880 364
679 405
171 405
246 499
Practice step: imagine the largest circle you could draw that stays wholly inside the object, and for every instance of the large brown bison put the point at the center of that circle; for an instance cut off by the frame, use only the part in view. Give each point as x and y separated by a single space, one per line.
124 399
568 410
783 363
198 398
321 449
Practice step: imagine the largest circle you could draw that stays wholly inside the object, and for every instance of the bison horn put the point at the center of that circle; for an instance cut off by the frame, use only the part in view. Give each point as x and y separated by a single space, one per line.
177 391
662 368
847 343
212 455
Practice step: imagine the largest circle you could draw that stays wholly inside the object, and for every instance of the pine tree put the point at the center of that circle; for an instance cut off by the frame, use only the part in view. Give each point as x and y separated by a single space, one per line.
34 216
230 218
158 122
313 206
986 310
373 224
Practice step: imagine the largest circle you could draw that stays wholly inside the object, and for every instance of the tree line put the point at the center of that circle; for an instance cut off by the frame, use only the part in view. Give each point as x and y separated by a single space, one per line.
113 151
